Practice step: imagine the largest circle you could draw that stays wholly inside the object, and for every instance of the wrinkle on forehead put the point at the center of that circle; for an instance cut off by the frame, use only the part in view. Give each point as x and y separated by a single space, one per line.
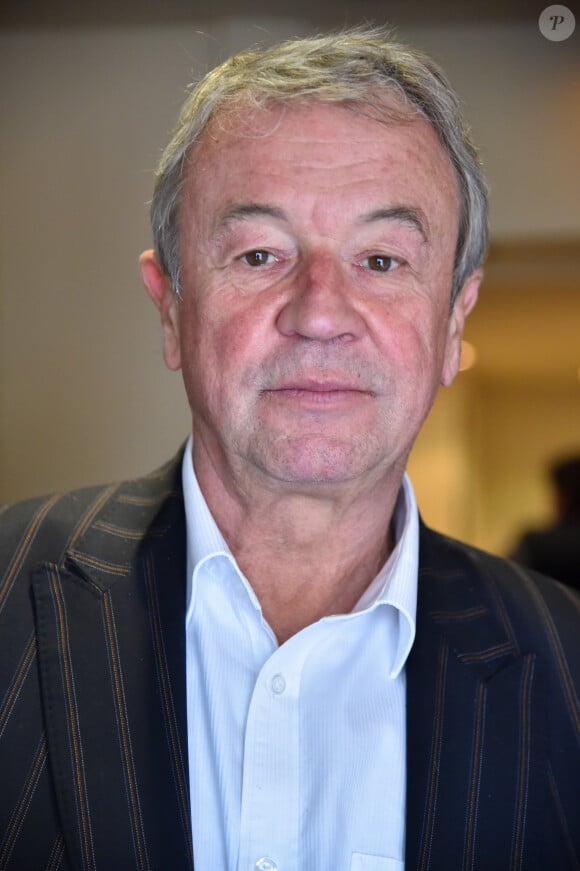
230 129
251 120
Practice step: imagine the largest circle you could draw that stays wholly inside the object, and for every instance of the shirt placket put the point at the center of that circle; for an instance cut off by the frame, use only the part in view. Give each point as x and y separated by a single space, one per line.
271 774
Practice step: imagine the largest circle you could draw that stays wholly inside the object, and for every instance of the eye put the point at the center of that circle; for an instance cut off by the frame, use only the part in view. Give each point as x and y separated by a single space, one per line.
380 263
259 257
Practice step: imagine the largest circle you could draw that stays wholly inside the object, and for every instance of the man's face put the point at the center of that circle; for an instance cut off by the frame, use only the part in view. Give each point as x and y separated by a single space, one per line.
317 249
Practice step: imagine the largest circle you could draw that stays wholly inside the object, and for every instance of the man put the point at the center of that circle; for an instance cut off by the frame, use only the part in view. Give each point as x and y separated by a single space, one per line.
258 656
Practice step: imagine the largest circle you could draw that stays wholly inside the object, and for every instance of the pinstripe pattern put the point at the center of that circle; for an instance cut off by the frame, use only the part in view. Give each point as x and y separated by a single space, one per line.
556 645
523 766
15 686
68 684
89 516
498 606
474 788
91 562
489 705
141 858
56 855
131 499
567 836
120 531
168 703
15 823
112 797
493 724
435 761
23 548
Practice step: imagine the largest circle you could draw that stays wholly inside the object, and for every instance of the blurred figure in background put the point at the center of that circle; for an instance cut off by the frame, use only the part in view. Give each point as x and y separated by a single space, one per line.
555 550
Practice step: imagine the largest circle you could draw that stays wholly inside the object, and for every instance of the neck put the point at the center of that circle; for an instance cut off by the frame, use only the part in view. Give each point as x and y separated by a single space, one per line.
307 553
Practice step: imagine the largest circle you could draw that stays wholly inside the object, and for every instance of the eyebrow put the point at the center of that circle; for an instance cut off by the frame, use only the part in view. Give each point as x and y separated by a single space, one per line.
411 215
239 211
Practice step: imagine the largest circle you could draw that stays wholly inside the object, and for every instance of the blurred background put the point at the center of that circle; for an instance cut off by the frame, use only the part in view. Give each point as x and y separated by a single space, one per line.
89 94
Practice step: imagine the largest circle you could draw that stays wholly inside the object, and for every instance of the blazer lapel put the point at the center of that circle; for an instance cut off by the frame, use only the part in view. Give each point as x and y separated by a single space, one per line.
110 623
468 714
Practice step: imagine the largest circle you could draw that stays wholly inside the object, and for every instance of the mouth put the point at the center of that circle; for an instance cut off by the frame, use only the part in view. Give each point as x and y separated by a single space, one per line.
319 385
318 392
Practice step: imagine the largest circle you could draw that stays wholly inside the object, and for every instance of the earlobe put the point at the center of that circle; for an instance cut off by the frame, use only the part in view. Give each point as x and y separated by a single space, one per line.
463 306
158 286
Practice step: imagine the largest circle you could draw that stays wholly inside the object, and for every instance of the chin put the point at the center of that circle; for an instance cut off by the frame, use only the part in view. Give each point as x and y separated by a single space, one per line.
307 462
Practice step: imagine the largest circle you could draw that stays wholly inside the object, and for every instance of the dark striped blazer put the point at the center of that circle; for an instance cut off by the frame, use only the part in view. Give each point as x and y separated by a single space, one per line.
93 742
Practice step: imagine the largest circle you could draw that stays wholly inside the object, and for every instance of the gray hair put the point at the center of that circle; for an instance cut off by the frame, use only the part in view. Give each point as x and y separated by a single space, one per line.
355 67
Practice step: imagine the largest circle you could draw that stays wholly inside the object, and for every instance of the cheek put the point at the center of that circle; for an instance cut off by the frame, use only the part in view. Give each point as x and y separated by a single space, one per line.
409 340
198 355
413 349
219 348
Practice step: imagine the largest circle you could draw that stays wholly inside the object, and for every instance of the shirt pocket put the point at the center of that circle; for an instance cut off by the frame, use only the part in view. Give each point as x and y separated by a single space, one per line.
365 862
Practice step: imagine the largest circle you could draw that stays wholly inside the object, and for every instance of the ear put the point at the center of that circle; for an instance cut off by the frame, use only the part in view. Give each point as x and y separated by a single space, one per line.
159 288
462 307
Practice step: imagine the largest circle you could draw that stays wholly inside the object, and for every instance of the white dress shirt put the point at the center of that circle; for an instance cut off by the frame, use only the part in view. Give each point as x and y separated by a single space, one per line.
296 752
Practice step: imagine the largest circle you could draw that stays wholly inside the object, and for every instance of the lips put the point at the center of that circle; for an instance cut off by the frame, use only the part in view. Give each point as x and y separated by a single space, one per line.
318 385
315 393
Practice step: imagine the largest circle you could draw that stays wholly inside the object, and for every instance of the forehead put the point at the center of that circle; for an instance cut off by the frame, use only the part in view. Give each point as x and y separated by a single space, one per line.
317 148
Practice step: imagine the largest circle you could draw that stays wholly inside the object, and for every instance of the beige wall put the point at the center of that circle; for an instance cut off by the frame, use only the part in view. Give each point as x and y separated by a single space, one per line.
84 396
479 466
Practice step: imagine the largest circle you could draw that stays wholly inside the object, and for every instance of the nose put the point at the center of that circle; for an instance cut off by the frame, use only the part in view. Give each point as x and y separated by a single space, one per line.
320 304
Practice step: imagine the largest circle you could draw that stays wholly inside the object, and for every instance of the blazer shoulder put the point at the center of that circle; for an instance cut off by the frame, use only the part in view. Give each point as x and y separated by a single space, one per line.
42 527
541 611
45 528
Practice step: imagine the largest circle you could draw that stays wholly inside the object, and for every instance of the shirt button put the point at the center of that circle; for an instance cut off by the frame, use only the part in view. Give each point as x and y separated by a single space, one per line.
265 864
278 685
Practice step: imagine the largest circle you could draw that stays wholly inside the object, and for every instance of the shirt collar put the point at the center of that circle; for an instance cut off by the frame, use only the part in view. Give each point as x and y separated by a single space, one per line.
396 582
204 539
394 585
